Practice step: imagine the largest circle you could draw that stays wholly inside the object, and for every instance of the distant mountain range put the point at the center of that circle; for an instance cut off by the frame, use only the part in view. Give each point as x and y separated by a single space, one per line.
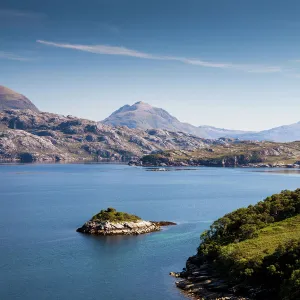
286 133
29 136
10 99
143 116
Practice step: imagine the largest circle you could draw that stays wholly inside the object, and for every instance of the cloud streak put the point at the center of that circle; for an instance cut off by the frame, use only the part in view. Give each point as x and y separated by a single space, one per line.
122 51
12 13
12 56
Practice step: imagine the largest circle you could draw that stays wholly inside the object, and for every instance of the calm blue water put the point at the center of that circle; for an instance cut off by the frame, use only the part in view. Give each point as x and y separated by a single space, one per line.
42 257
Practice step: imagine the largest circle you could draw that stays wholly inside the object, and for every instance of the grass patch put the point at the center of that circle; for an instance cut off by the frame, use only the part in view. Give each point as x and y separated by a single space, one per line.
267 241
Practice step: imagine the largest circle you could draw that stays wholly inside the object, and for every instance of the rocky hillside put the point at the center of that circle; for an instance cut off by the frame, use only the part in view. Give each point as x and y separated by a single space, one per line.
30 136
231 154
12 100
144 116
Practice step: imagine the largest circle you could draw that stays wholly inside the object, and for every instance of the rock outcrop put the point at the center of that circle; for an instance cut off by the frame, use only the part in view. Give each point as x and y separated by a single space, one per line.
118 228
201 282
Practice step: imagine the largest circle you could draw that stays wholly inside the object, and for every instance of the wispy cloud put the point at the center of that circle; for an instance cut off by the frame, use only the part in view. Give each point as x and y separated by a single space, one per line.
12 56
101 49
112 50
12 13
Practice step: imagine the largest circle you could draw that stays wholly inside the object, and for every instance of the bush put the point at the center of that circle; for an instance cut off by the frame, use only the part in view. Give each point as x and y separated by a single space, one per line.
112 215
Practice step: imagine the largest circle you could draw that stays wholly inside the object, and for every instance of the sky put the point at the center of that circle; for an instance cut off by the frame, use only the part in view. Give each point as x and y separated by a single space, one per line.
231 64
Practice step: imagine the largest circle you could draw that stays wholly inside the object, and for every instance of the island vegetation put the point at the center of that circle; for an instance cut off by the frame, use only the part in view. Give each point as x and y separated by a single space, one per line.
112 215
256 249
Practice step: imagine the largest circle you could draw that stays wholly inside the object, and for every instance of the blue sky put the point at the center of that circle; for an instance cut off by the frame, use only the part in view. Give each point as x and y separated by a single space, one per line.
231 64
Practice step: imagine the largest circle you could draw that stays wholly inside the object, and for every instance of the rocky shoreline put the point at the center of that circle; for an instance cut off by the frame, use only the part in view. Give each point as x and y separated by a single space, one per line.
122 228
202 283
212 164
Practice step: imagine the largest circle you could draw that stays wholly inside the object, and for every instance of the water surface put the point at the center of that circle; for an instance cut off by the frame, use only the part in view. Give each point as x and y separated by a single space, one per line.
42 257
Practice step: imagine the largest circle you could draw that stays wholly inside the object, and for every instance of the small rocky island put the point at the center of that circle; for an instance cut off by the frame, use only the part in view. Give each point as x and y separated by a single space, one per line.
112 222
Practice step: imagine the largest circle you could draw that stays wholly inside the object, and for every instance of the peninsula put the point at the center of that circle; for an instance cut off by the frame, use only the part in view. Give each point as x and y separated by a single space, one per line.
112 222
251 253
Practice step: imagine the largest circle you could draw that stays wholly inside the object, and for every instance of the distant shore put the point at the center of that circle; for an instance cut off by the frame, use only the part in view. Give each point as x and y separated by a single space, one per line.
154 167
211 164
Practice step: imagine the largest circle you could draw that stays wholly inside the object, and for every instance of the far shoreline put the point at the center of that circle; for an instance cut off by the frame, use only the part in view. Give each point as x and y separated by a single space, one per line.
280 170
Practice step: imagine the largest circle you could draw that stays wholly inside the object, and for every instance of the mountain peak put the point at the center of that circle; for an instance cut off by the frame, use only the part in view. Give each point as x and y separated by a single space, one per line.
144 116
5 90
10 99
141 103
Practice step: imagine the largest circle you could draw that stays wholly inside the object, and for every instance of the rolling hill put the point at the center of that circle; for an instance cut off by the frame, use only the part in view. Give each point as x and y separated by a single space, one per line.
10 99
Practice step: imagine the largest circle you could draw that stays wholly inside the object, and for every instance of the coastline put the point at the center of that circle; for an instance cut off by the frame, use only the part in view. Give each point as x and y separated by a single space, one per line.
163 167
250 253
106 228
213 165
62 162
200 282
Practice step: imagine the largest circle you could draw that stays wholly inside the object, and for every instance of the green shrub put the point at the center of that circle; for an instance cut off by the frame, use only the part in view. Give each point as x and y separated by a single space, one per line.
112 215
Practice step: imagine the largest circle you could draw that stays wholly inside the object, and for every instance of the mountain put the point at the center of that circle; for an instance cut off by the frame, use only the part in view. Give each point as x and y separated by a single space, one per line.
215 133
144 116
286 133
10 99
30 136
